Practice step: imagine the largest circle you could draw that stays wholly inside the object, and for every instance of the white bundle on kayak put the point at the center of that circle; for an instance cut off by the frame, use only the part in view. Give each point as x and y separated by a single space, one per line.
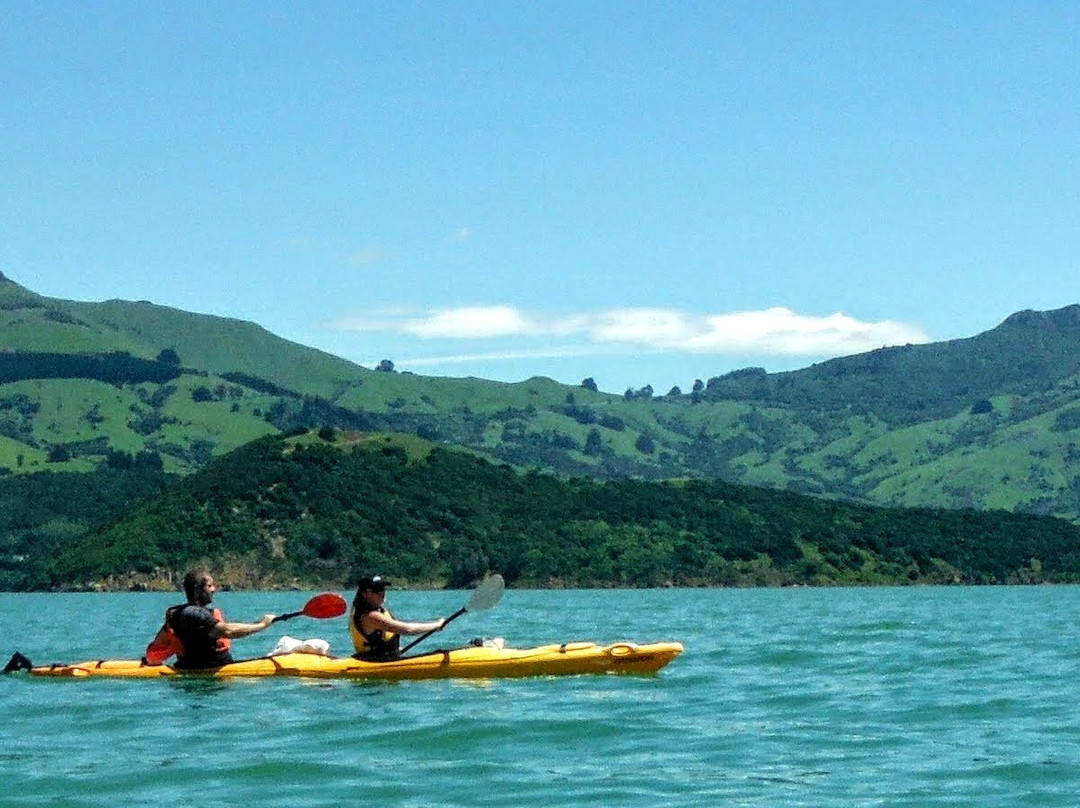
291 645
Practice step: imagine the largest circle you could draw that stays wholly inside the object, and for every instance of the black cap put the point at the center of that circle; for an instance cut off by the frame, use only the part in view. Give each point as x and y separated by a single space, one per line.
374 583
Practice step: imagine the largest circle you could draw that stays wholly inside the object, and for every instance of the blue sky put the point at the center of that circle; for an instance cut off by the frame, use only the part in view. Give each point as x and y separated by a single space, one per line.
641 193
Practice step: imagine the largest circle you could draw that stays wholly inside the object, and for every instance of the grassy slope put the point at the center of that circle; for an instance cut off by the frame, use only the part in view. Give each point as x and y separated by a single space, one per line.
65 418
31 322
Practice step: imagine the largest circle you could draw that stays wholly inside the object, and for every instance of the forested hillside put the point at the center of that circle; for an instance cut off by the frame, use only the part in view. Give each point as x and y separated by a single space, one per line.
312 510
41 515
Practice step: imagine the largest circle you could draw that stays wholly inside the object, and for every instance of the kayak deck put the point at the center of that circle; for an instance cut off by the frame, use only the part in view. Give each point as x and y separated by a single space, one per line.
472 662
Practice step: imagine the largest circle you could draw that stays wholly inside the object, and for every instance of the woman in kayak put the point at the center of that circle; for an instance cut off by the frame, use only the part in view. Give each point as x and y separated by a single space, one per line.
376 634
197 633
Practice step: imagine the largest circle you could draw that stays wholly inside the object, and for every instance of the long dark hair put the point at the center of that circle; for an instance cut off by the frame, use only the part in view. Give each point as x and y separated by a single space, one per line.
368 584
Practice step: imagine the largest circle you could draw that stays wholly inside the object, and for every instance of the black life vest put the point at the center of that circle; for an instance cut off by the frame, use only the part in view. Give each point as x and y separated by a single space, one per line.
375 645
166 642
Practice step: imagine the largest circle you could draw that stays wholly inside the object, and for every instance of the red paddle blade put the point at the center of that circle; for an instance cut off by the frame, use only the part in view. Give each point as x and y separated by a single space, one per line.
324 606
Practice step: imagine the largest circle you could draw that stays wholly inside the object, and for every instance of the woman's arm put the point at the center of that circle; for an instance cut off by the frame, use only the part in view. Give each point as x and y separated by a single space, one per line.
377 620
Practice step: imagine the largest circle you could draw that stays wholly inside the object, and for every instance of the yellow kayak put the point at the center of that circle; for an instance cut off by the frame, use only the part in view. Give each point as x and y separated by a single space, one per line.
472 662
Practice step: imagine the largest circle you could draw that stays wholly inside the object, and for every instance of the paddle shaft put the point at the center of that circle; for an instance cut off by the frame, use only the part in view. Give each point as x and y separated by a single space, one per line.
427 634
288 616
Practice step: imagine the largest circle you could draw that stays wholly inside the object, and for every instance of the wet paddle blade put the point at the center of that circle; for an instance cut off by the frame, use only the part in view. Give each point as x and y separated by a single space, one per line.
320 607
325 606
488 593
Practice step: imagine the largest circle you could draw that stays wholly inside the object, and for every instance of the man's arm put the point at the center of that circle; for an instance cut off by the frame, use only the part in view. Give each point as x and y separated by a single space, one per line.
236 630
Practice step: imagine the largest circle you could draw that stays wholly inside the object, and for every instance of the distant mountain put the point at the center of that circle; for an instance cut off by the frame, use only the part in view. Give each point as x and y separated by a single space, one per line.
992 421
1027 354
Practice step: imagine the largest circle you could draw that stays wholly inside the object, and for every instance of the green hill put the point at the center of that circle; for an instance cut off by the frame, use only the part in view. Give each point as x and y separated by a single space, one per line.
991 421
306 511
208 344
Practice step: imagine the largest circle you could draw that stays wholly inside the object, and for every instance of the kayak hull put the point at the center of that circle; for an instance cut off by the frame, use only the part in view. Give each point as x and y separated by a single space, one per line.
472 662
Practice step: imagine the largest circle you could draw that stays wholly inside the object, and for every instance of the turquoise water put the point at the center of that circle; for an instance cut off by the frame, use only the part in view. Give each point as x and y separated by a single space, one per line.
845 697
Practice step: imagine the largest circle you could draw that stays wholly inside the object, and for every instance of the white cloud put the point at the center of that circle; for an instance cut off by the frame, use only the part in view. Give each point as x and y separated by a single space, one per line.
469 322
782 332
660 327
769 332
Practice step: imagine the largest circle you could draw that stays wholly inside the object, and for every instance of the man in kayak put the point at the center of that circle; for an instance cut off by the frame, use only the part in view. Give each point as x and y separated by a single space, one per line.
376 634
198 634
